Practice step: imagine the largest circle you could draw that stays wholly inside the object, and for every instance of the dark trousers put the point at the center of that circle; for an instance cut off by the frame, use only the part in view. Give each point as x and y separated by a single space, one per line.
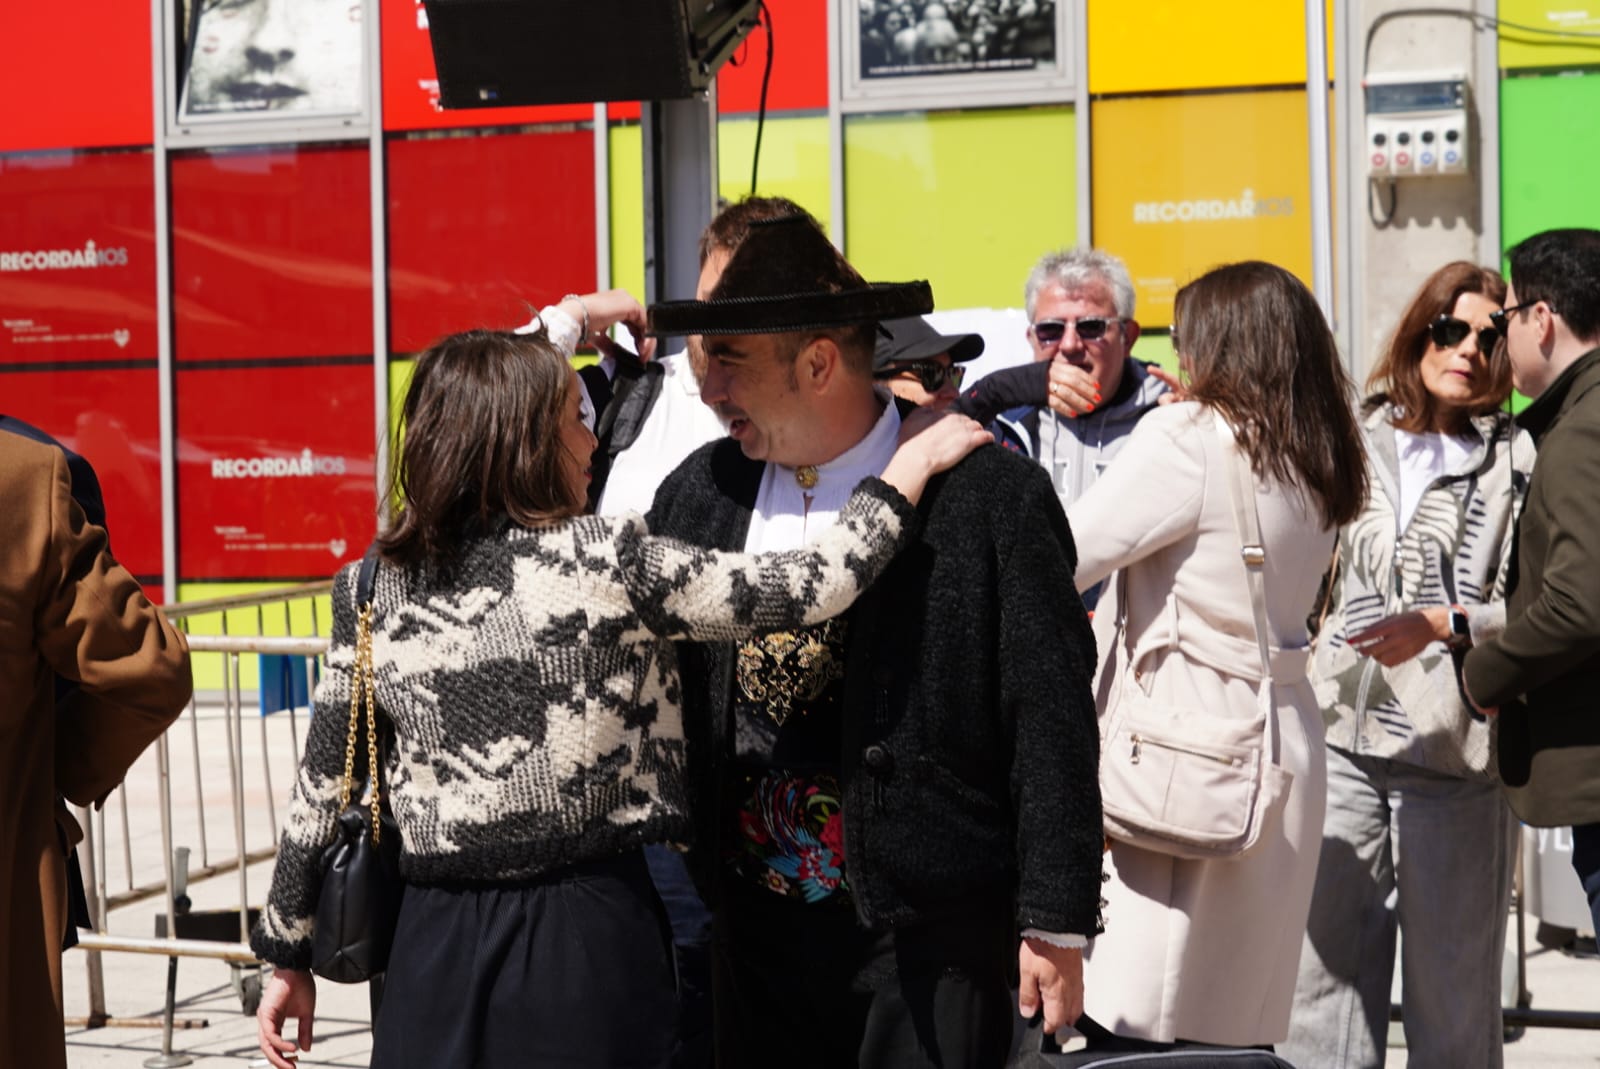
807 986
691 951
573 971
1586 860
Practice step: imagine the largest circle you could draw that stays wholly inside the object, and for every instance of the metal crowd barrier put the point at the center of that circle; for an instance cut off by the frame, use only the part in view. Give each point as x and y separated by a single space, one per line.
226 636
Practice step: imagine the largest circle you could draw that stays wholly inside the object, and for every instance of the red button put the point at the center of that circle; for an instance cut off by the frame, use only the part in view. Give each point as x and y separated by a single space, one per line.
1401 159
1378 159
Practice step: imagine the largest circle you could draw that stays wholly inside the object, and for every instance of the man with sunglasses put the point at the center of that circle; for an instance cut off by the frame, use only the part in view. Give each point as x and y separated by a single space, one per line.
1080 322
1541 673
919 364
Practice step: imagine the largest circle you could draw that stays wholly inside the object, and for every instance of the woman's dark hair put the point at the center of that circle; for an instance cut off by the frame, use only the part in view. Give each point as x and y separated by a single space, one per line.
1259 352
1397 376
482 440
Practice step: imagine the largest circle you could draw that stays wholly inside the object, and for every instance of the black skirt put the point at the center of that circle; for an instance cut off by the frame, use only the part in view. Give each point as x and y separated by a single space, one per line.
574 970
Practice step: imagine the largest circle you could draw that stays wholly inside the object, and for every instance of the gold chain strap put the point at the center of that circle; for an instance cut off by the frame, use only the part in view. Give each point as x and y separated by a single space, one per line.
363 688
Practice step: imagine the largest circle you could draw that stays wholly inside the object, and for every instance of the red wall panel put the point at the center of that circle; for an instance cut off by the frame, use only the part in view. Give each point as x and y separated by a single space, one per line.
112 419
75 78
275 471
77 257
482 227
272 253
799 66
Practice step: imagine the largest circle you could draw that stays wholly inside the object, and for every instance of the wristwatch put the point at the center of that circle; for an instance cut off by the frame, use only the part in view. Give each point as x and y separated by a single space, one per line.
1460 630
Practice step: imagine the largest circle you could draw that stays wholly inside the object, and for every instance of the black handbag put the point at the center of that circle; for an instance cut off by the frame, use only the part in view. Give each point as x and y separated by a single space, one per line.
359 903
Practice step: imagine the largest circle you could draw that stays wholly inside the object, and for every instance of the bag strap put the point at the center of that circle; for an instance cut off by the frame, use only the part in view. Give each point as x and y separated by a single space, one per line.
1247 522
363 696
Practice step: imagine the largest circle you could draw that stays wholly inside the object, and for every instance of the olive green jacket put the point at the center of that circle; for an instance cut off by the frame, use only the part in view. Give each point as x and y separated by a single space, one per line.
1543 670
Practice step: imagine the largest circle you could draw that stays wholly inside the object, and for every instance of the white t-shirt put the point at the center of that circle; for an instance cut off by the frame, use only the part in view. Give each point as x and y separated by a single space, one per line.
1423 459
678 424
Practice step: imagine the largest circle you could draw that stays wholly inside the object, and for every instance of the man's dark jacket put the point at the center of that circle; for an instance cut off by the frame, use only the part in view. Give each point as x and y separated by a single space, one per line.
971 749
1543 671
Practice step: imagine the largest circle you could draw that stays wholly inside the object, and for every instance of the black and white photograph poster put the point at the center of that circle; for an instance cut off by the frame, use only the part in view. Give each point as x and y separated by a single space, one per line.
279 58
946 52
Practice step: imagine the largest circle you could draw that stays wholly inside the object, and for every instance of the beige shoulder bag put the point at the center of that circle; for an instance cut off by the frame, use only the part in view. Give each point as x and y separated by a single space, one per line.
1177 779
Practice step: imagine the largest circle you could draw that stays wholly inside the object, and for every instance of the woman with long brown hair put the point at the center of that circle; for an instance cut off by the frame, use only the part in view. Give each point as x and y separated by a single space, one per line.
1205 950
529 690
1418 835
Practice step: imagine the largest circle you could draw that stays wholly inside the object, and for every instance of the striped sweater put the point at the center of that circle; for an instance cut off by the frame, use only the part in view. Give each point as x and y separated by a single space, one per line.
1455 550
534 697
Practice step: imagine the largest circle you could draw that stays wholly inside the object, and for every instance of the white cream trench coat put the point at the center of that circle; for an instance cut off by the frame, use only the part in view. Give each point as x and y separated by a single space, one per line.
1205 950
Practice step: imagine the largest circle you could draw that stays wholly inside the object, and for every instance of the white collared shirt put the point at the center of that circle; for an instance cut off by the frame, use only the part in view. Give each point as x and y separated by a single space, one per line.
787 516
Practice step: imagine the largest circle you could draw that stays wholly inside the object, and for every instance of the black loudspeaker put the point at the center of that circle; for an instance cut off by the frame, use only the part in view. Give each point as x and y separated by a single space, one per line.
497 53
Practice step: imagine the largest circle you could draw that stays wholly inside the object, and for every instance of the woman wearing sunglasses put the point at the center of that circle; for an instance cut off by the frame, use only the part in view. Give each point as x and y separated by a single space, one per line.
1413 806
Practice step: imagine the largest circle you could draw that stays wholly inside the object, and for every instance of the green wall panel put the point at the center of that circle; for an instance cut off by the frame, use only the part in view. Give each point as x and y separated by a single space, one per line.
1549 153
968 200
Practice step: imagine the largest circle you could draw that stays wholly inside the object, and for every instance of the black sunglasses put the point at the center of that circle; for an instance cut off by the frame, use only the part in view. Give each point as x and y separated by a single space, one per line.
1089 328
1447 332
932 374
1500 318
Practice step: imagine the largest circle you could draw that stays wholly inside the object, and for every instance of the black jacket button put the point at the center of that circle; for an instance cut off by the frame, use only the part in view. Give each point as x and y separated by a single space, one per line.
878 759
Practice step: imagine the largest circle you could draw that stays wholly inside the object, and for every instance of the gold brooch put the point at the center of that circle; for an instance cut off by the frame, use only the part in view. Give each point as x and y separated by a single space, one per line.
806 476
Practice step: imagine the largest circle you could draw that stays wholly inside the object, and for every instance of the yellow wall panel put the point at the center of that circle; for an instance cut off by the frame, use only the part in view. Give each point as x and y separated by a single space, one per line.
1520 48
1172 203
794 161
967 200
626 183
1139 46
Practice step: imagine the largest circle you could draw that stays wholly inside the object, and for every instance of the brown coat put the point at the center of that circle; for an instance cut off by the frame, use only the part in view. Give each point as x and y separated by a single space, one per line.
66 608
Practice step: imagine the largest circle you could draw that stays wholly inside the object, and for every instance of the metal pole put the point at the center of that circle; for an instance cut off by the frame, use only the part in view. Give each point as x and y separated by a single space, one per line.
166 1059
1080 119
602 197
1321 177
680 191
379 212
96 903
236 743
161 30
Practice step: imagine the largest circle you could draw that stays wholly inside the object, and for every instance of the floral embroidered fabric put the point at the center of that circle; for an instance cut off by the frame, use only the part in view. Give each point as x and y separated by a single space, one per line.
791 836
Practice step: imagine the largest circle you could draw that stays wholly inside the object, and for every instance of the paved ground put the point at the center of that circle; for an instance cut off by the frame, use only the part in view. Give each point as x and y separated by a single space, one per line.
222 1035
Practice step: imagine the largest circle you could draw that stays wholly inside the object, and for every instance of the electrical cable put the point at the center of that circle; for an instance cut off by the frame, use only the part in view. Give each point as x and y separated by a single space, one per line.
1488 22
1479 21
1394 199
764 18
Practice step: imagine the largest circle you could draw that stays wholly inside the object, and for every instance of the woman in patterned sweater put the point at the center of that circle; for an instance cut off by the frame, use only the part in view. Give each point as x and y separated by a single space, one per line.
1416 831
525 670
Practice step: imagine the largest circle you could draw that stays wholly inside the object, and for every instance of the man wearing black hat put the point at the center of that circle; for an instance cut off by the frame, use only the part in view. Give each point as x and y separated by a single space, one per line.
887 801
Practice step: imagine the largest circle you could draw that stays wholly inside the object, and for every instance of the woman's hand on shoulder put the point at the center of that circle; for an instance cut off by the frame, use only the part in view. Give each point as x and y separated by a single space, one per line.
931 442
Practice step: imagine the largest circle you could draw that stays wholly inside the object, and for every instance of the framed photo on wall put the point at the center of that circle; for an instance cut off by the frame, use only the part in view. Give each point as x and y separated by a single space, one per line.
244 68
914 54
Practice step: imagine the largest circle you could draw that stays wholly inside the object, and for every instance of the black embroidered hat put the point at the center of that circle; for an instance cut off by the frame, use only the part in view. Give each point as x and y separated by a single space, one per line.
786 276
905 341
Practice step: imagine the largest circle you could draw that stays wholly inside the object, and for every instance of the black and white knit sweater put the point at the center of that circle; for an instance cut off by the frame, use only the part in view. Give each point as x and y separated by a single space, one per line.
534 697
